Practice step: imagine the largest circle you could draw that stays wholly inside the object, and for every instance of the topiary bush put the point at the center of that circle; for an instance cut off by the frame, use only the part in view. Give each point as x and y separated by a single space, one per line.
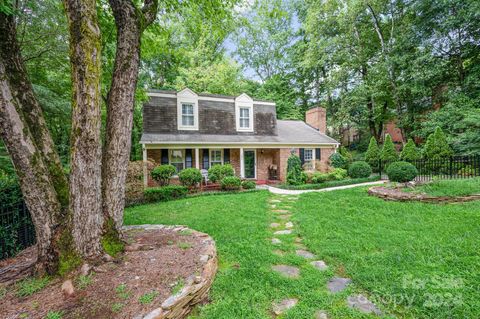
294 170
359 170
401 172
389 153
216 173
410 152
372 156
230 183
163 173
190 177
437 146
337 160
249 184
165 193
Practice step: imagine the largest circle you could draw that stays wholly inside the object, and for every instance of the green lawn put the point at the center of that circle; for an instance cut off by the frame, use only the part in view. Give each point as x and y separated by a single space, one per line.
380 245
452 187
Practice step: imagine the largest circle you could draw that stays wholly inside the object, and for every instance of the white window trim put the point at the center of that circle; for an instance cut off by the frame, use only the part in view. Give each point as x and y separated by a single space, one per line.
210 155
244 101
190 97
313 160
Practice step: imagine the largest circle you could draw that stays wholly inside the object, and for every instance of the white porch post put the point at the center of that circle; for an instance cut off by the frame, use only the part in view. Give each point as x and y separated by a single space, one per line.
145 172
314 151
242 168
197 158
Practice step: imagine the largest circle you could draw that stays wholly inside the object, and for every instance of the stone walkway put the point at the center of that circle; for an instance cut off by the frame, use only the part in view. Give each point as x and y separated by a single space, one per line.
280 191
282 229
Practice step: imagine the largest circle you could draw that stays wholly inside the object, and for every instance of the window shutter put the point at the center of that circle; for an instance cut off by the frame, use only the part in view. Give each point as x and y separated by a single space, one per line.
188 158
206 160
302 155
226 156
164 159
318 154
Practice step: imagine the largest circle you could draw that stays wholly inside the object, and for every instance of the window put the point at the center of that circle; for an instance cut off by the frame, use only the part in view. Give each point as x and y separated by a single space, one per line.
177 159
188 117
244 117
308 155
216 157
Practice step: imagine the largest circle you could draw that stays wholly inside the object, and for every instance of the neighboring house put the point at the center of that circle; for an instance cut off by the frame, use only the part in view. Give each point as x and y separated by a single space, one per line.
186 129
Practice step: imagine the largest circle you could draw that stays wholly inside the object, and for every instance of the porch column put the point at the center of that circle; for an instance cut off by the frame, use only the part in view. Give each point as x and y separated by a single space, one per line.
197 158
145 172
242 168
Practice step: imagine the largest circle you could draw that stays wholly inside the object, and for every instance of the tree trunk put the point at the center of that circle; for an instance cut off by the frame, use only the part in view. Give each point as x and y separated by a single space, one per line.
86 156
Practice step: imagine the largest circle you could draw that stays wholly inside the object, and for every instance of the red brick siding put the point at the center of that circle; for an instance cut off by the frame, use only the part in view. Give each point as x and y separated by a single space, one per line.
317 118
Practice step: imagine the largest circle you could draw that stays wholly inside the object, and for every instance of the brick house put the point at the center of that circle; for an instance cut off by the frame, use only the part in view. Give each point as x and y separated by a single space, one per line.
187 129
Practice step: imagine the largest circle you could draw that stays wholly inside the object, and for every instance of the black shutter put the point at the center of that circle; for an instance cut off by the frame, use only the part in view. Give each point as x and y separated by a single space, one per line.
188 158
318 154
206 160
164 159
226 156
302 155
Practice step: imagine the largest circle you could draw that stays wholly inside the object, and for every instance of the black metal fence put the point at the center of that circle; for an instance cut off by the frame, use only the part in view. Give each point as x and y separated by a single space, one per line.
16 228
445 168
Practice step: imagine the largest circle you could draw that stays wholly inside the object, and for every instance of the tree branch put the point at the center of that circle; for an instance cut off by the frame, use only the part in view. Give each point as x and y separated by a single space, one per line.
149 10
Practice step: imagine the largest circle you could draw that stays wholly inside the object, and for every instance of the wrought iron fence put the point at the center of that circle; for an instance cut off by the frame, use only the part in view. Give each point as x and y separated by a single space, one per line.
445 168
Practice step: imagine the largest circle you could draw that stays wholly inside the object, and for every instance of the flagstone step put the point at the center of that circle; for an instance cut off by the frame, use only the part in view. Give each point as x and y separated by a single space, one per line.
287 271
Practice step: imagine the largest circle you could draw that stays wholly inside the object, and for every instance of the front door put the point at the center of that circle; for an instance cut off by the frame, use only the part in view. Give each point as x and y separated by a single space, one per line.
249 163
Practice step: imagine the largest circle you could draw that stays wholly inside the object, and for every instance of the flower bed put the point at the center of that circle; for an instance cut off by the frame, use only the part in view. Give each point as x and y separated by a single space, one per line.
327 184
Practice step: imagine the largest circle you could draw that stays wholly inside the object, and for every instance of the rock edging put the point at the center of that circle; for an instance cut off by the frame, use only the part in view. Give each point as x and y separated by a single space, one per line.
396 194
196 287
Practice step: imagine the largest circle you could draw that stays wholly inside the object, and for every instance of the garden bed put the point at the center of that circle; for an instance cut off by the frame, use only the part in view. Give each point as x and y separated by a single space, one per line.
165 271
327 184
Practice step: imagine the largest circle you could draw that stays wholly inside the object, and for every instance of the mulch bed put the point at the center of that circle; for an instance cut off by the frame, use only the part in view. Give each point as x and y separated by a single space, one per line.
397 194
157 261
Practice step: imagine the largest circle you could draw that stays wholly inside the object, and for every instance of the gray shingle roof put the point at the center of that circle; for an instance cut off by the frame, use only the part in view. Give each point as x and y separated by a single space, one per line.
289 132
255 100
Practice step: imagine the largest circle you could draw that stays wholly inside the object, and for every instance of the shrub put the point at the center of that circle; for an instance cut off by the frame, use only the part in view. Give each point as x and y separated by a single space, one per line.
372 156
318 178
230 183
338 161
389 153
401 172
410 152
165 193
190 177
216 173
163 173
304 177
346 154
359 170
294 170
436 146
337 174
248 185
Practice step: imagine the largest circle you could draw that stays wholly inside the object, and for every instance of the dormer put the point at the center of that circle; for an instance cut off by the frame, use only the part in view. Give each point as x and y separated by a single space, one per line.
244 113
187 110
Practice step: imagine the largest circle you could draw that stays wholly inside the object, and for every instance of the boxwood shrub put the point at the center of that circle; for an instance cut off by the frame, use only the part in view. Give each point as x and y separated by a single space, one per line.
190 177
337 174
401 172
249 184
163 173
216 173
165 193
359 169
230 183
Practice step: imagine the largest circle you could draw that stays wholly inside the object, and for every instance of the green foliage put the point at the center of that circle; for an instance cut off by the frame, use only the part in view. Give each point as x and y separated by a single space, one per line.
359 170
165 193
389 153
148 297
372 156
184 246
117 307
346 154
54 315
249 184
83 281
410 152
294 170
163 173
452 187
122 292
331 183
31 285
337 174
401 172
436 146
230 183
318 177
190 177
338 161
216 173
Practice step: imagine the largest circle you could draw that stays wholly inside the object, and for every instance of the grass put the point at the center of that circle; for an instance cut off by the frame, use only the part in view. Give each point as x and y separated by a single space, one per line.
54 315
148 297
83 282
343 182
31 285
390 250
178 286
451 187
122 291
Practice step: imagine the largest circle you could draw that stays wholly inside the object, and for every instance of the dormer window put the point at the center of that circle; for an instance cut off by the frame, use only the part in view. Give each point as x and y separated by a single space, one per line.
244 117
187 110
244 113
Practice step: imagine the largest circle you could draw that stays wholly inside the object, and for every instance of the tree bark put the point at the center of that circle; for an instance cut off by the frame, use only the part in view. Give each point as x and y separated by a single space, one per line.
86 155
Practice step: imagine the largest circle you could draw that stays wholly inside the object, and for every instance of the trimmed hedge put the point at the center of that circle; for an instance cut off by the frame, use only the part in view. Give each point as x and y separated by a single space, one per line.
330 183
359 170
163 173
401 172
249 185
190 177
216 173
230 183
165 193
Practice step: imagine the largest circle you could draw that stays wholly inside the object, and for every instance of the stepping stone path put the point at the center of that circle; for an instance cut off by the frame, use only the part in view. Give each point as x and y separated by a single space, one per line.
274 225
281 211
319 264
284 217
287 271
337 284
275 201
362 303
284 305
276 241
305 254
279 252
321 314
283 232
289 225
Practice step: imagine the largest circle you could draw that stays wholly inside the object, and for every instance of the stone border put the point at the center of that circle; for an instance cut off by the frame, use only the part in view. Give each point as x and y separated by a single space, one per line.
396 194
196 288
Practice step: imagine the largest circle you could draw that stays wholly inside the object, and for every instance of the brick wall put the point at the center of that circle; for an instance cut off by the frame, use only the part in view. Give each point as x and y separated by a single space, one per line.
265 158
317 117
235 160
284 155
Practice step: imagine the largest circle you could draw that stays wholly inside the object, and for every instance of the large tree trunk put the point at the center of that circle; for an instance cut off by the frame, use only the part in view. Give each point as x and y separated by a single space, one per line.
25 133
86 156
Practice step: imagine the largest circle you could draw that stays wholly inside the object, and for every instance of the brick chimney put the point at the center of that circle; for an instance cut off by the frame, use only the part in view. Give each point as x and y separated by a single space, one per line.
317 118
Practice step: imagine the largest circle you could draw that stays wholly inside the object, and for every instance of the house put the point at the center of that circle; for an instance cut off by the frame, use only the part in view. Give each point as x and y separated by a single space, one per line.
187 129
